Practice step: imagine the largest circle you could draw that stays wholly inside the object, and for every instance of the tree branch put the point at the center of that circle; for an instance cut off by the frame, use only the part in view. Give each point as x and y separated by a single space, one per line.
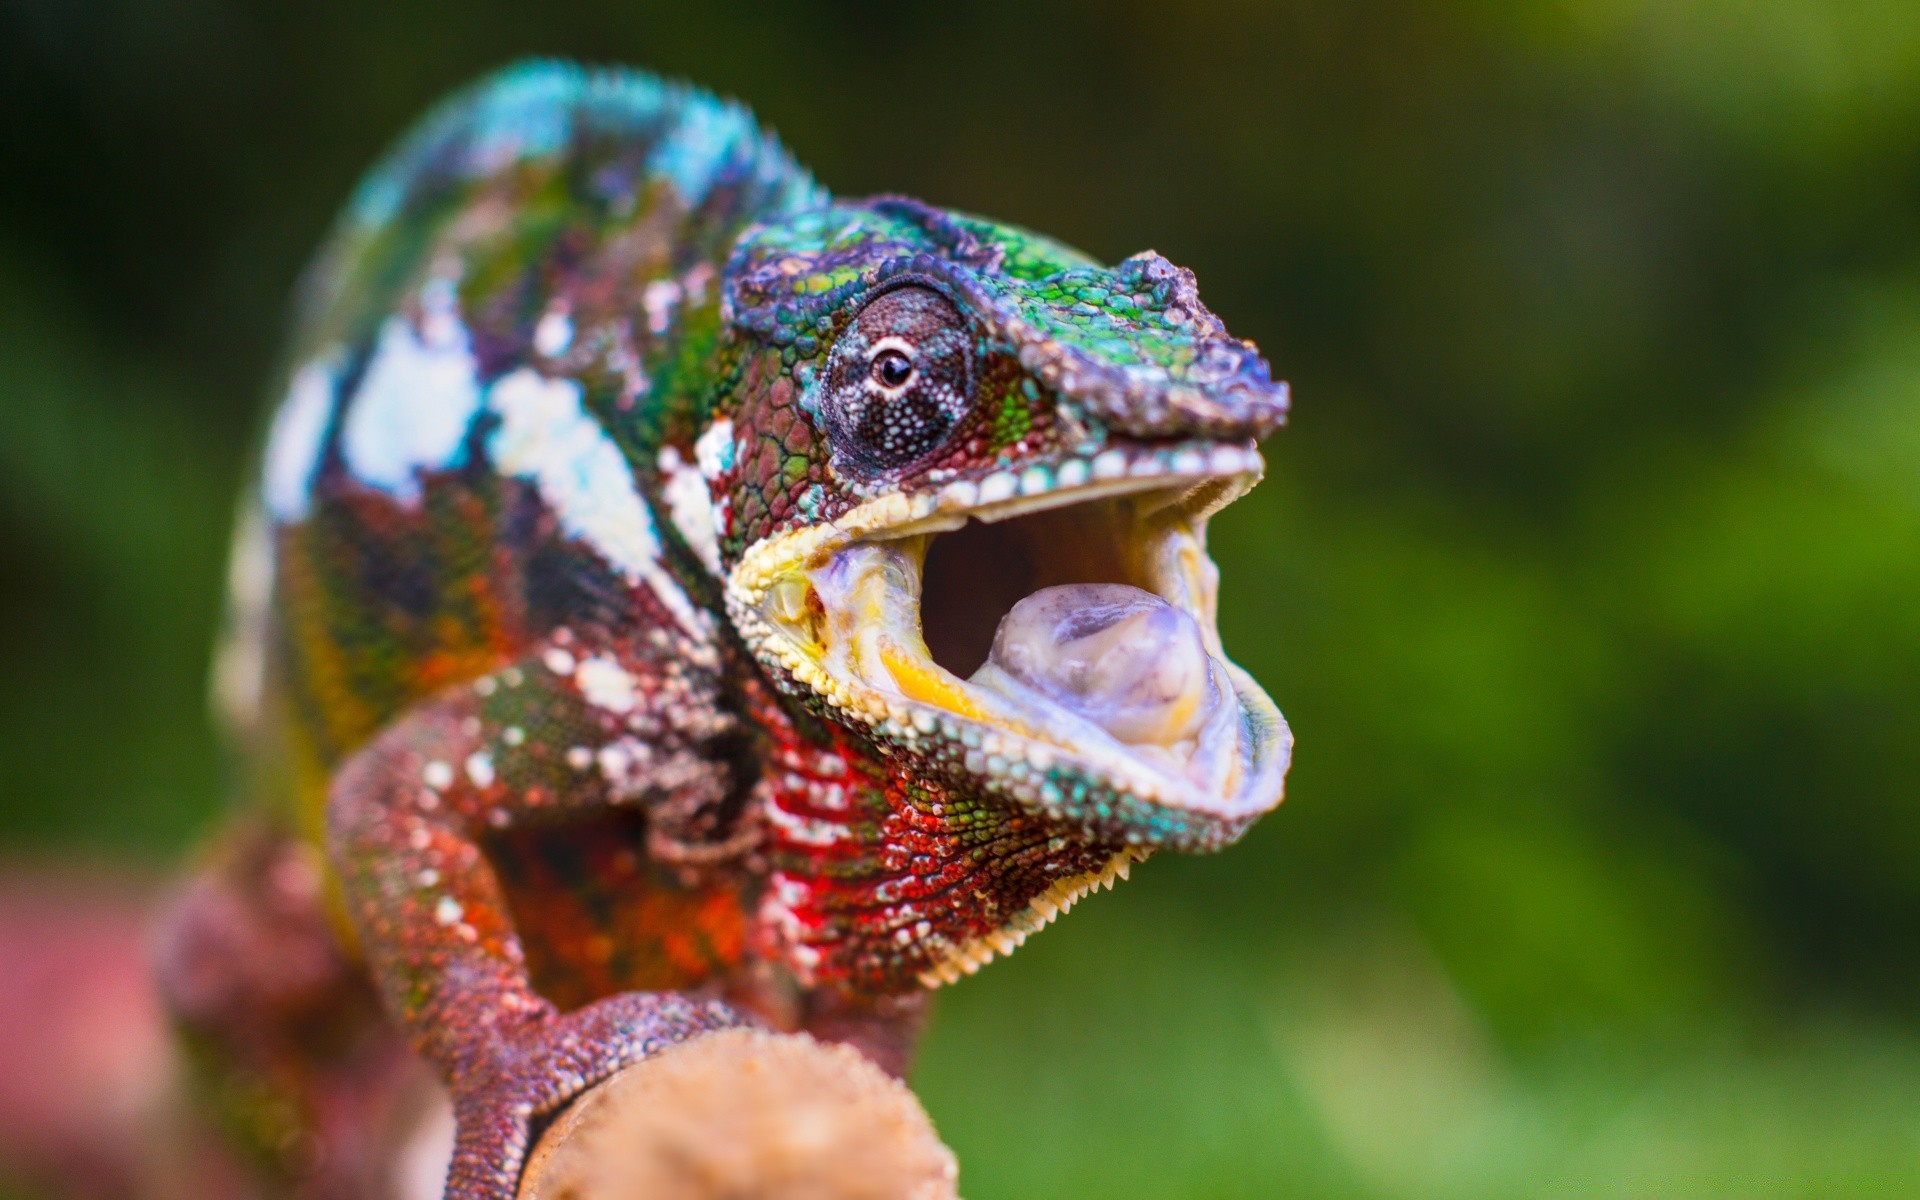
744 1113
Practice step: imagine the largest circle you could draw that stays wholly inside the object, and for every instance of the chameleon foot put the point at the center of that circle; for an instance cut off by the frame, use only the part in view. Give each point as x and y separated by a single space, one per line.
538 1072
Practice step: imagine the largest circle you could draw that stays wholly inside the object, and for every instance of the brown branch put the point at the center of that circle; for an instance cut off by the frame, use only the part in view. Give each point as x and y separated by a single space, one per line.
744 1113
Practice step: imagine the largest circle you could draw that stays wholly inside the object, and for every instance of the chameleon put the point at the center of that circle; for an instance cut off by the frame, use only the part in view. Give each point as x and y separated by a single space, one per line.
676 597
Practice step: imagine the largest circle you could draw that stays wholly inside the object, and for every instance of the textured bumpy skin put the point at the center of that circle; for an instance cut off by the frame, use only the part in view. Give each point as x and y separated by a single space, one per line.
589 383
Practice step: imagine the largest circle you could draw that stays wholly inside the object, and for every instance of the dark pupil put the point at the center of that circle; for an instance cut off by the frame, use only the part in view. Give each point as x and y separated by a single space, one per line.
892 368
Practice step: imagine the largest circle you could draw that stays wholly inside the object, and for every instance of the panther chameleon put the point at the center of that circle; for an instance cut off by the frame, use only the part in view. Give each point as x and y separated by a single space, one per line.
674 597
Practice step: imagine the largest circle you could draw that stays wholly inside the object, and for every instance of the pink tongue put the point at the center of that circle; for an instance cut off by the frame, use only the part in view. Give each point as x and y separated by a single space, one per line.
1118 656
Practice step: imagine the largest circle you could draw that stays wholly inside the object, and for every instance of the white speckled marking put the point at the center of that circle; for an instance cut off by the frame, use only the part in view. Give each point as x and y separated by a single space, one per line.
554 333
240 659
418 397
997 487
690 505
660 298
294 441
546 435
604 684
714 450
480 768
960 494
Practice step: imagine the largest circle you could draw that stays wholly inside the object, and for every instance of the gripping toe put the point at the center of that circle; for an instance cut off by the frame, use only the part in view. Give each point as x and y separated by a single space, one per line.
542 1071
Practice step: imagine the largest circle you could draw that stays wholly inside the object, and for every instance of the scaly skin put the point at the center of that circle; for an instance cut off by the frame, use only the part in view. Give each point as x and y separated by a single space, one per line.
579 623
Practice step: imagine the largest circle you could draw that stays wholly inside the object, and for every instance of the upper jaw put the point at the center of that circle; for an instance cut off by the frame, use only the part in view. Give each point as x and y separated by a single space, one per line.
838 607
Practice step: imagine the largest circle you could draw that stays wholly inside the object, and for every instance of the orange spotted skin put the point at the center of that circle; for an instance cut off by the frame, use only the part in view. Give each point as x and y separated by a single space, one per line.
599 914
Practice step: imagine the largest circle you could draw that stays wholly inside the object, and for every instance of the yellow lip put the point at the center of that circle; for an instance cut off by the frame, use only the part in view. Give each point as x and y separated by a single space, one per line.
920 680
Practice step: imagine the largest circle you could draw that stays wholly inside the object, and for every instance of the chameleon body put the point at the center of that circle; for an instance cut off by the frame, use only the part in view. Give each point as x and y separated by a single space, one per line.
621 616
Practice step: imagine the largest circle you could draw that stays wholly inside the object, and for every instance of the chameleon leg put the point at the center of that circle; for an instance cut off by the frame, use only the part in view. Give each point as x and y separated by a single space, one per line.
283 1035
406 816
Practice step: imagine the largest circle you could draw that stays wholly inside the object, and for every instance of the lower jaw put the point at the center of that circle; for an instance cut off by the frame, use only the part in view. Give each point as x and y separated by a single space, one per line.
886 880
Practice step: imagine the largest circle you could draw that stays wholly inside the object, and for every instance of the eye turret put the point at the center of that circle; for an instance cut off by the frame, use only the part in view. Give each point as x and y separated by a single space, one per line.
899 381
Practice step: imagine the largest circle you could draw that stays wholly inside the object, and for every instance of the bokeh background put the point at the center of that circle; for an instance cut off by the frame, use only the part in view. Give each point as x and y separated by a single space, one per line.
1587 571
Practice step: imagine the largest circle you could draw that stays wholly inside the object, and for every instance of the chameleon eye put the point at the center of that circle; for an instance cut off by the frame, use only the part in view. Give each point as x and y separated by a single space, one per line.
892 369
899 381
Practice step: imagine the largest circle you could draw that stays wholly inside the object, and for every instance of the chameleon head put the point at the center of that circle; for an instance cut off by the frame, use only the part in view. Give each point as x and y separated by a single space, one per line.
970 524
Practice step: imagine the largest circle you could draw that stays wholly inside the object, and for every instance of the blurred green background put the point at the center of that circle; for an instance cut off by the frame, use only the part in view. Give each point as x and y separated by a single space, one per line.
1586 573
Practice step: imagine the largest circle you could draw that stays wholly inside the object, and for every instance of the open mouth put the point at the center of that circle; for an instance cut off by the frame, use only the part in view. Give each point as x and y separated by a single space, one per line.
1053 636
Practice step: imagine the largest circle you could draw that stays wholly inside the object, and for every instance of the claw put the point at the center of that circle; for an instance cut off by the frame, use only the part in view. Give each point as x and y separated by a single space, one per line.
541 1072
